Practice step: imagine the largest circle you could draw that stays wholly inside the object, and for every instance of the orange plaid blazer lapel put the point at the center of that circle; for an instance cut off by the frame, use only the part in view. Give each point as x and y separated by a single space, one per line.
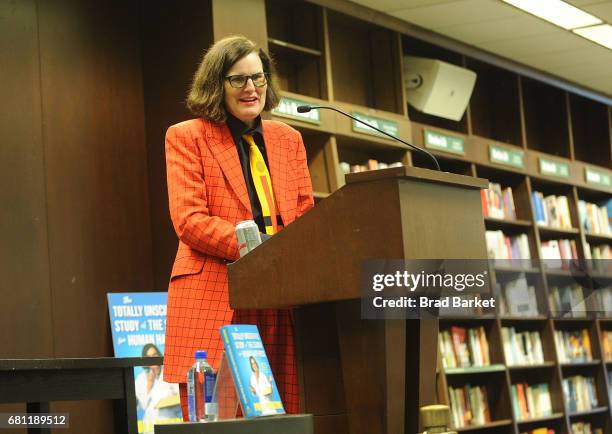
224 150
277 162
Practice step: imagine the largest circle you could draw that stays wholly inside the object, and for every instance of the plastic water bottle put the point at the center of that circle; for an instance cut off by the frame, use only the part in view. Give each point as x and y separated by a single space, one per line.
200 385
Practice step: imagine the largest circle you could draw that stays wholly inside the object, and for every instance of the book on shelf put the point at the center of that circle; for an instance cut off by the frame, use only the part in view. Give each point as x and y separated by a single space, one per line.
558 253
609 374
469 405
464 348
498 202
522 348
594 218
580 393
251 372
602 301
606 345
518 298
567 301
531 401
370 164
551 211
573 346
502 246
584 428
539 431
600 252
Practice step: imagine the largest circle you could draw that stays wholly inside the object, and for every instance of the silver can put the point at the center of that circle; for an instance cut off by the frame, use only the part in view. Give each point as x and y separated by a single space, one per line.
248 236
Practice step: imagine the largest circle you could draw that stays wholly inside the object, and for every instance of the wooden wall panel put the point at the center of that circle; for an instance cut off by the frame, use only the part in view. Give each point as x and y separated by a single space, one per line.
25 313
245 17
98 208
174 38
96 177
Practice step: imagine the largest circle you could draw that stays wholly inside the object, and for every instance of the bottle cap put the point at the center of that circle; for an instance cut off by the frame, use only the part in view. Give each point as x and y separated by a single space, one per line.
200 354
435 418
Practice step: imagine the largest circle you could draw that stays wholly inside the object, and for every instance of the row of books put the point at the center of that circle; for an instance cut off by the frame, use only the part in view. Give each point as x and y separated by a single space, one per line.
559 251
498 202
501 246
469 405
551 211
371 164
580 393
606 345
531 401
585 428
464 348
523 347
609 385
573 346
601 252
567 301
594 218
602 301
518 298
540 431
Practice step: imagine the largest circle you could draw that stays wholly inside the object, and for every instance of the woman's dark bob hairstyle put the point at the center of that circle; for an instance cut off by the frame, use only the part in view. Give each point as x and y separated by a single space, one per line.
206 96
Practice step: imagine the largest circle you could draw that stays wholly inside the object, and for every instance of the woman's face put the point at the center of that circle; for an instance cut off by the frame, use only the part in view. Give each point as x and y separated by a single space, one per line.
245 103
254 366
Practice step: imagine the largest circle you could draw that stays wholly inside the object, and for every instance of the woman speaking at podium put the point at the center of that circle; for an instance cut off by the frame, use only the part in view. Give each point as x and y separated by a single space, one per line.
225 166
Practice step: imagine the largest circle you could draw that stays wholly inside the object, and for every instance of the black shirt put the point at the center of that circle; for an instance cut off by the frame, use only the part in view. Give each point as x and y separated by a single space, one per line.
238 129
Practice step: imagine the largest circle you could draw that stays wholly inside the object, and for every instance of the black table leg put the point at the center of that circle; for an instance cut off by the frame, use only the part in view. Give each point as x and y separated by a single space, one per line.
38 407
125 409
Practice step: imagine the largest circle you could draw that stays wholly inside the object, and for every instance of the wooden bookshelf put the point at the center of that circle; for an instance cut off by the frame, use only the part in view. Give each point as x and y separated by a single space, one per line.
295 42
559 144
487 427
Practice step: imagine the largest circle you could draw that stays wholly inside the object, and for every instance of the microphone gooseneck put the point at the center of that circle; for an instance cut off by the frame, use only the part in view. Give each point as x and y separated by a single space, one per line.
307 108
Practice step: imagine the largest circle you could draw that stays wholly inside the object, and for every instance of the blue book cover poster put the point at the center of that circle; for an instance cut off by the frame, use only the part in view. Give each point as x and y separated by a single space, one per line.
251 371
138 326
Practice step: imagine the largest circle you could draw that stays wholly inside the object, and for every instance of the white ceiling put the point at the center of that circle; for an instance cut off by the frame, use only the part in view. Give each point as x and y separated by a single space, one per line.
501 29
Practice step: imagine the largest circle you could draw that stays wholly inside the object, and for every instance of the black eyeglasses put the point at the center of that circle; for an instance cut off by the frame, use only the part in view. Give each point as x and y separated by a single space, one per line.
259 79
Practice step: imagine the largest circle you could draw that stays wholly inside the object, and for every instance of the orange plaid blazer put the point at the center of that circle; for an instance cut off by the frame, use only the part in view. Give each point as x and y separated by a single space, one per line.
208 197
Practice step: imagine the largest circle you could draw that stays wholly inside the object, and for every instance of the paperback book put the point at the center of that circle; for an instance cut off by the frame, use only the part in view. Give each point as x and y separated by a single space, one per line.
251 371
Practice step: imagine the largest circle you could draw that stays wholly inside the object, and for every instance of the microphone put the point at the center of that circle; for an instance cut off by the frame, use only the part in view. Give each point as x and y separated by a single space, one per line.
307 108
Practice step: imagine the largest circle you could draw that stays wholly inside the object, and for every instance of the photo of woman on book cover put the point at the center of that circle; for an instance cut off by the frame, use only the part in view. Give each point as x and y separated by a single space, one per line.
158 401
260 386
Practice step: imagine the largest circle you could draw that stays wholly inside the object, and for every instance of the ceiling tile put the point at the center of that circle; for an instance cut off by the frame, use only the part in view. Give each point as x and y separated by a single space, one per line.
601 10
496 30
395 5
600 66
583 3
568 57
455 13
527 46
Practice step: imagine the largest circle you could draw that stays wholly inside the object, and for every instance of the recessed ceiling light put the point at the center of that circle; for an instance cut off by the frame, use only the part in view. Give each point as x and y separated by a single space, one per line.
557 12
601 34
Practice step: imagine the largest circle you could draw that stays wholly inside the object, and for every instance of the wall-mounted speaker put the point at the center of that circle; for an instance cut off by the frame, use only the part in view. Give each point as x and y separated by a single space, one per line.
437 88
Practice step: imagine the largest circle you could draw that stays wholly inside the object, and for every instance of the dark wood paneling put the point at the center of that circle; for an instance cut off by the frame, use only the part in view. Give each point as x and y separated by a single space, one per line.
96 176
591 131
545 118
495 104
245 17
174 37
98 207
350 79
25 315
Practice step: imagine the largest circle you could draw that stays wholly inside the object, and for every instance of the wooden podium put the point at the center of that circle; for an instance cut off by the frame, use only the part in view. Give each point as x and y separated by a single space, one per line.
363 376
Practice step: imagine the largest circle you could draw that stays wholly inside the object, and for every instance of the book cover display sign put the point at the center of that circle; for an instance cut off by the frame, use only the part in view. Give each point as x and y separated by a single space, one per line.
251 371
138 325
